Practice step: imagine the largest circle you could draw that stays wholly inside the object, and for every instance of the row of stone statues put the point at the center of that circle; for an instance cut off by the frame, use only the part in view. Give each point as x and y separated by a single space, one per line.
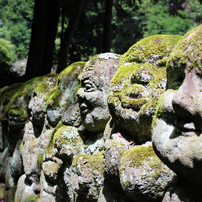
115 128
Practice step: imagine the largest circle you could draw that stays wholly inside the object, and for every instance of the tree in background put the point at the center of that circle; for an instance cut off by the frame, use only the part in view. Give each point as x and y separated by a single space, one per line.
67 35
170 16
16 21
60 37
44 29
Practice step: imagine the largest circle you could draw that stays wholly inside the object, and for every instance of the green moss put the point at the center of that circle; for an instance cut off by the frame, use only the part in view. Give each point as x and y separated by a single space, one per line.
67 136
95 161
68 75
24 91
7 92
21 146
46 83
33 198
154 49
18 111
50 144
40 160
2 189
138 156
161 111
58 137
160 45
53 98
72 70
188 51
124 73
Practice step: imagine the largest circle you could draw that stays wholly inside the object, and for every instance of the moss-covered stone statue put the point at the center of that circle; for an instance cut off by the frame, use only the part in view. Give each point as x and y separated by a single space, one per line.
5 152
72 147
177 124
58 102
29 99
136 86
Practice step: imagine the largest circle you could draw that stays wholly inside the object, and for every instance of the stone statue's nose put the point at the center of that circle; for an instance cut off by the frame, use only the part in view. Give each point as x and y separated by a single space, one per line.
80 93
184 100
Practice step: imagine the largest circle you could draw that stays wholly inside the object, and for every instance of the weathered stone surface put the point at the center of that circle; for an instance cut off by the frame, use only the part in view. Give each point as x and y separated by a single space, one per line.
114 148
84 135
92 96
63 95
177 124
82 183
86 177
137 84
142 174
23 191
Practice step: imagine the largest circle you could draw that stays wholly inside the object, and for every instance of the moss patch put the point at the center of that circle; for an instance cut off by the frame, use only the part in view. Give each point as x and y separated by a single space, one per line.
18 111
188 51
156 46
94 162
40 160
65 80
138 156
66 135
46 83
50 144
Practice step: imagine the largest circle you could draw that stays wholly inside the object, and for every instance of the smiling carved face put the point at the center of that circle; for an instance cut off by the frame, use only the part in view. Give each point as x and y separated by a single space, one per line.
92 96
177 127
137 84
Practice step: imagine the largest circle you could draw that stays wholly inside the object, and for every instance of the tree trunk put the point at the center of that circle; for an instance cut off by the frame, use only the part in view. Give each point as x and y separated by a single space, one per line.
51 30
107 26
44 29
68 35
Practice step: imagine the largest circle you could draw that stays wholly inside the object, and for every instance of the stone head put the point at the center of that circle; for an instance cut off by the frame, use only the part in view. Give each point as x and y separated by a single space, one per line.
137 84
92 96
63 95
177 125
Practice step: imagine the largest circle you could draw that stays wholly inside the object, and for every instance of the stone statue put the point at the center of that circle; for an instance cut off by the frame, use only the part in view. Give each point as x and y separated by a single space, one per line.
72 147
35 133
5 95
61 109
87 169
177 123
136 86
107 129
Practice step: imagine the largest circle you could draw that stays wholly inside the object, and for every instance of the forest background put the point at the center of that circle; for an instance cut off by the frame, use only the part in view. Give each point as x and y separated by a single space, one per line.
51 34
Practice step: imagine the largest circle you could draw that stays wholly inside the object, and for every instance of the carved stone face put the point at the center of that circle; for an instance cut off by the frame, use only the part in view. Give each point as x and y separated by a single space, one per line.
137 84
92 96
63 95
177 126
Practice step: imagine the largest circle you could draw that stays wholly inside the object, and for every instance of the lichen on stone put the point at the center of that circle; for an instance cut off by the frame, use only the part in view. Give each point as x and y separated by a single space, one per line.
95 162
137 84
138 155
187 53
66 87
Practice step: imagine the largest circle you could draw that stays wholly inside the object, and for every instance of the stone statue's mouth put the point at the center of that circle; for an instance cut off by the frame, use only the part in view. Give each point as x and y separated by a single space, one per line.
16 119
83 108
188 129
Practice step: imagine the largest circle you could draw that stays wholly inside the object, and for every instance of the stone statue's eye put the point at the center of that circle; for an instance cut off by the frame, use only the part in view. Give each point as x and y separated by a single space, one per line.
89 86
141 78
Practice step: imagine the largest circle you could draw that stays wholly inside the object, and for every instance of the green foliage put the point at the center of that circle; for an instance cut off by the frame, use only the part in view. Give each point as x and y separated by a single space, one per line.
6 51
166 18
131 21
16 21
30 198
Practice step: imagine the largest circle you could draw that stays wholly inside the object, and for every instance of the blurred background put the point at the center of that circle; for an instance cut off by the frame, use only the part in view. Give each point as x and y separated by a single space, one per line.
38 37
